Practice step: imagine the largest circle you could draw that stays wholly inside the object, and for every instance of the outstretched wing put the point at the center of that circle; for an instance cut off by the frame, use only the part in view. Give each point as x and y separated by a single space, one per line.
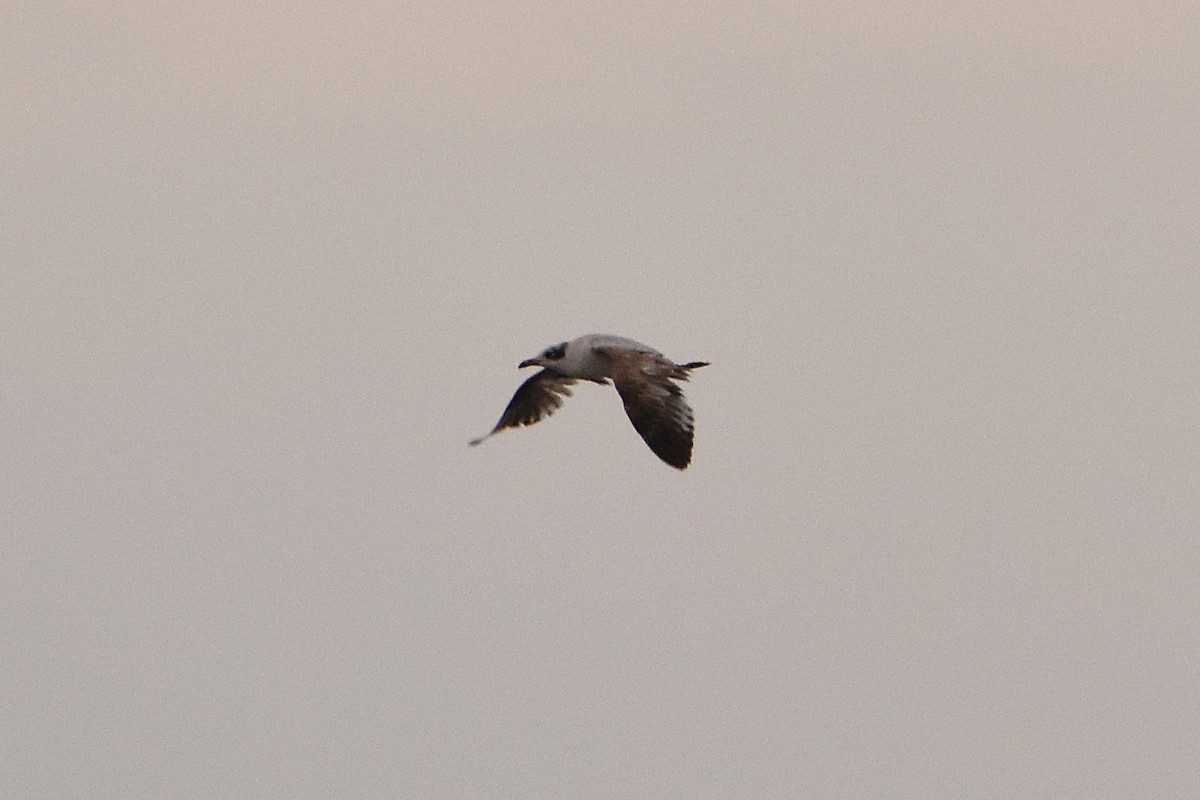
655 405
536 399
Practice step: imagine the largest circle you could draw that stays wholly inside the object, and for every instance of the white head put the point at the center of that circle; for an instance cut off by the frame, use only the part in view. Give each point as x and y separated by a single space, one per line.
547 358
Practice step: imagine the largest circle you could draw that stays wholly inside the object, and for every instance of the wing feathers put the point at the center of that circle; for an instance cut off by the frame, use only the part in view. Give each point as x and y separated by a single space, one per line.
535 399
654 403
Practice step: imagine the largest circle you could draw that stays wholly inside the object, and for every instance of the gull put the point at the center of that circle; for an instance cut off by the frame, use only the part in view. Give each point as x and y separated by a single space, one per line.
642 376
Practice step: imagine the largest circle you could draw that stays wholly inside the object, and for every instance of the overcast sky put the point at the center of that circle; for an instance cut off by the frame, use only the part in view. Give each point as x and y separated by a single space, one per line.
267 267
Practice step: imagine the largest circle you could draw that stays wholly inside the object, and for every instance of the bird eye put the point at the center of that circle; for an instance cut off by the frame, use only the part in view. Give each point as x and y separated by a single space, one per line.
556 352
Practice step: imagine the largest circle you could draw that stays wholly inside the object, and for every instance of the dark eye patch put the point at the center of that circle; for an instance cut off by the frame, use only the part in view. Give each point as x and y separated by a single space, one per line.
556 352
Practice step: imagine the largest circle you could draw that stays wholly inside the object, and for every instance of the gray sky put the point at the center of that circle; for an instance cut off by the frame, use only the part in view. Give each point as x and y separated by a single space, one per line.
268 267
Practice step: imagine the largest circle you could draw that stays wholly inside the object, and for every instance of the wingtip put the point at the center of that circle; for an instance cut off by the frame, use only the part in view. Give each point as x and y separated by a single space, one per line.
678 462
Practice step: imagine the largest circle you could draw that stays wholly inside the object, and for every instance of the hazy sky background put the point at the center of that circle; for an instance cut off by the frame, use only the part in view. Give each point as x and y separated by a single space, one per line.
268 266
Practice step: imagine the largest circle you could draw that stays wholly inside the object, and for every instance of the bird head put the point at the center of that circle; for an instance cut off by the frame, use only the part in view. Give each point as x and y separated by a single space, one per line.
547 357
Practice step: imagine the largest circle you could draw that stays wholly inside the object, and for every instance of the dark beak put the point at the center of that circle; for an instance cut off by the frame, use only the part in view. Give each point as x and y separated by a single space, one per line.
530 362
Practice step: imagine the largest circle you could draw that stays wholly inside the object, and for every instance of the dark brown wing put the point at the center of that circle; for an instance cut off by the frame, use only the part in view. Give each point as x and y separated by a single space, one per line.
663 419
655 405
536 399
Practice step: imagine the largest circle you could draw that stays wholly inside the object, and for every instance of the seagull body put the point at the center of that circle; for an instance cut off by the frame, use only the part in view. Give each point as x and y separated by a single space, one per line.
642 376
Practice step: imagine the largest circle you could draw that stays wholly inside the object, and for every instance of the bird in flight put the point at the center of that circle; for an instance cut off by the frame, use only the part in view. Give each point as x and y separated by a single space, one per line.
642 376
